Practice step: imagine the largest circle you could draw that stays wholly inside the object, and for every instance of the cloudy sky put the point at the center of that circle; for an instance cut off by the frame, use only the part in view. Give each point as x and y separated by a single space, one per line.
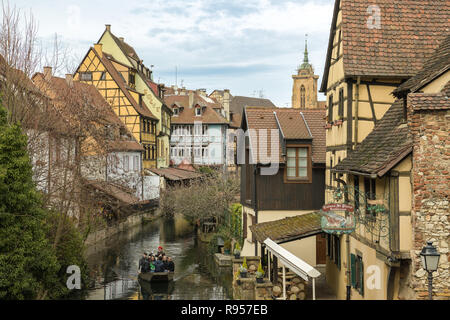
249 46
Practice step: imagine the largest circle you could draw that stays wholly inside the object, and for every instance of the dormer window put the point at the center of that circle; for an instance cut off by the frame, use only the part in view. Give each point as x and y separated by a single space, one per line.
132 80
198 111
176 111
298 164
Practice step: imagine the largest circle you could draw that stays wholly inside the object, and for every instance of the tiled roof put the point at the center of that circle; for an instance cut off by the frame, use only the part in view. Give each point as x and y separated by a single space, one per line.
123 195
187 115
295 124
238 103
260 123
83 102
236 120
288 229
141 109
431 101
410 30
437 64
125 146
176 174
387 144
126 48
315 119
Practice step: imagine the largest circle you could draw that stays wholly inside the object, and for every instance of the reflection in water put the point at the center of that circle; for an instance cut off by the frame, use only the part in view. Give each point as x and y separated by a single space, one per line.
115 274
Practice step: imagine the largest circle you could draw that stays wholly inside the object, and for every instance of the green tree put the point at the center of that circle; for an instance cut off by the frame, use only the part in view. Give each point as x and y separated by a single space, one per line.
28 264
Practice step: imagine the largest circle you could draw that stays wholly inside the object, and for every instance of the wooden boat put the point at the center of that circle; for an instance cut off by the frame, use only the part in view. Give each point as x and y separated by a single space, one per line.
156 276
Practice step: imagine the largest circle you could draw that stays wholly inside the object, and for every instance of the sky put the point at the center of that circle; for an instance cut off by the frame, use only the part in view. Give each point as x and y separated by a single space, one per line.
251 47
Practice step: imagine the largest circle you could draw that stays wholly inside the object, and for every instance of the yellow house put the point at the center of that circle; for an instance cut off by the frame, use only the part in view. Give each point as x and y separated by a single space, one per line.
108 76
369 56
151 93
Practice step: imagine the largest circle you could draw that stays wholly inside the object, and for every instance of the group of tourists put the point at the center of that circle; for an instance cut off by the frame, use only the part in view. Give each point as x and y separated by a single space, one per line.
156 262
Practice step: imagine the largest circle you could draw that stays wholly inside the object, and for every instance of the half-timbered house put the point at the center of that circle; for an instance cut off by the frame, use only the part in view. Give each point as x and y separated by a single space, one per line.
141 80
372 50
115 81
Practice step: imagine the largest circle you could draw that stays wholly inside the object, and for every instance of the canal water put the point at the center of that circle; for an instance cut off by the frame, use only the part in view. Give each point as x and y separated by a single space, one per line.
114 265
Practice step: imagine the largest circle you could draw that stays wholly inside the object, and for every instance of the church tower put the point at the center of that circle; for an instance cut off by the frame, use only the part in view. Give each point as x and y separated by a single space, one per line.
304 93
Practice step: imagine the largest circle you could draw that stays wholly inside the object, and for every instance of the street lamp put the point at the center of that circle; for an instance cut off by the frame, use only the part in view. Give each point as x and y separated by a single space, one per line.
430 261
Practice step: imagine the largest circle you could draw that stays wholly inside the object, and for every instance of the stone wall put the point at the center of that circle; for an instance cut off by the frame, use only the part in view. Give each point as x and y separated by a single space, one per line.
430 200
249 289
131 221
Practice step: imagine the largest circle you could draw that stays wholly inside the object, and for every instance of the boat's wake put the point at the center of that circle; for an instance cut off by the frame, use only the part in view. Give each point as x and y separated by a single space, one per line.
190 270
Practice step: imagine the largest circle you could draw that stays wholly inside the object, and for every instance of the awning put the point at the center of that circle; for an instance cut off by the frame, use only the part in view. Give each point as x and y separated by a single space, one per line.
294 263
288 229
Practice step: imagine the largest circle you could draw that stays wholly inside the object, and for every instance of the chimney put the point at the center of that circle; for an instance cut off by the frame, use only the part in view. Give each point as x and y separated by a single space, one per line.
69 80
47 73
191 99
226 103
108 27
98 47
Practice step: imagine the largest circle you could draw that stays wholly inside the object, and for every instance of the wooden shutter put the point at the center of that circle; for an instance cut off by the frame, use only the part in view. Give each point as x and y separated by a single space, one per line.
353 269
361 276
338 252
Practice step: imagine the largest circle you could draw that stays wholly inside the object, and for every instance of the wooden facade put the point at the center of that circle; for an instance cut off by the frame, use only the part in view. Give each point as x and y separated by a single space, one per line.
274 193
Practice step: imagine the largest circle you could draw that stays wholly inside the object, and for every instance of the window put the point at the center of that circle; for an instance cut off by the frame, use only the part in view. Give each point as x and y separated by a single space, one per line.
126 163
175 111
330 109
198 112
370 192
302 97
103 76
131 79
136 163
86 76
341 104
298 163
205 130
357 273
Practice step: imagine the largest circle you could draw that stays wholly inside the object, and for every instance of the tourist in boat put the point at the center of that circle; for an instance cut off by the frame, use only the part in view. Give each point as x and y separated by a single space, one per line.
159 265
145 266
141 261
152 264
165 262
160 252
170 265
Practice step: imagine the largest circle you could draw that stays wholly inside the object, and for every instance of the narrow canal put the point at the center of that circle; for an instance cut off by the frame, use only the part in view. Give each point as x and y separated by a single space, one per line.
114 265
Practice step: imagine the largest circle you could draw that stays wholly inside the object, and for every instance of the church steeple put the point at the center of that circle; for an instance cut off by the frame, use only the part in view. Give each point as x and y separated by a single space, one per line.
304 92
306 65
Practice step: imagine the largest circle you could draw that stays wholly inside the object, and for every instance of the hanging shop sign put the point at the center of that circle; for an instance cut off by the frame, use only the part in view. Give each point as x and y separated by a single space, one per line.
334 223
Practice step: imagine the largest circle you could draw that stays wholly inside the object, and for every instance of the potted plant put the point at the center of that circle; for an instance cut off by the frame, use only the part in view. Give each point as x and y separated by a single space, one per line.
243 269
237 251
236 276
260 274
227 247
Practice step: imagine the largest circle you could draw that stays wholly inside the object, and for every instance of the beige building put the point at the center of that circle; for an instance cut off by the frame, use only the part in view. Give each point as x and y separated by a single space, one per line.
370 154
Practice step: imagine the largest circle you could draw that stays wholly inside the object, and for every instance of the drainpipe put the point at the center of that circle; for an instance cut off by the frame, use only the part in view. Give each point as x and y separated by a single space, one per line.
347 242
255 174
357 110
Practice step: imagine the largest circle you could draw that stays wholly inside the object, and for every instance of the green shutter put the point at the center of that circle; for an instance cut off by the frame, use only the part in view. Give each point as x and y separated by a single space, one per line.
361 275
353 269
